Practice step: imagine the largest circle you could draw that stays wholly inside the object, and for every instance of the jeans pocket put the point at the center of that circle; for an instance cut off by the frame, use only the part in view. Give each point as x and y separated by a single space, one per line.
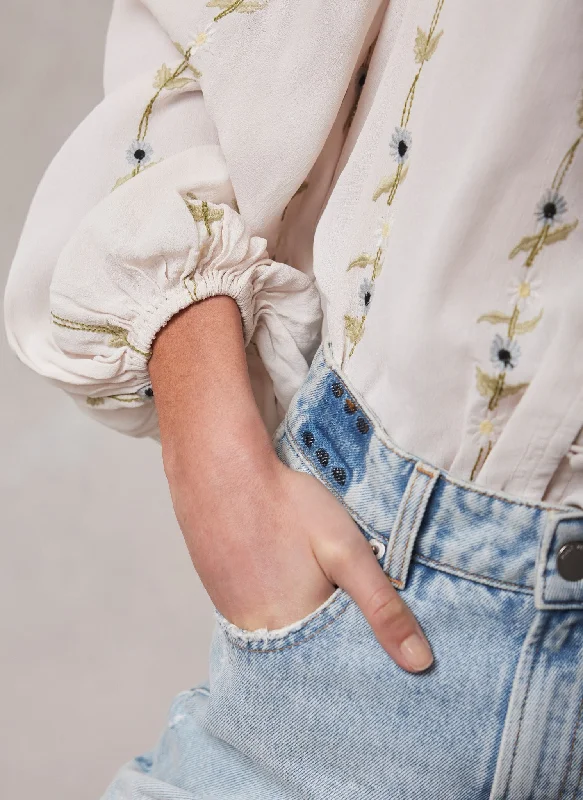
266 640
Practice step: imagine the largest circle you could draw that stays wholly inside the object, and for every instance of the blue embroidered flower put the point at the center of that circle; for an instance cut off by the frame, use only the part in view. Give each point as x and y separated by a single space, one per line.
146 392
552 208
400 145
139 153
504 353
365 295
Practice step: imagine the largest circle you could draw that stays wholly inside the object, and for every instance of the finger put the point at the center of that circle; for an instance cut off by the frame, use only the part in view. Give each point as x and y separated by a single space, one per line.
357 571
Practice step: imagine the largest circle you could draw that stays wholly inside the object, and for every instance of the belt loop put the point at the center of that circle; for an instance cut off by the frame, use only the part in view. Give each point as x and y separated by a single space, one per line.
552 591
407 523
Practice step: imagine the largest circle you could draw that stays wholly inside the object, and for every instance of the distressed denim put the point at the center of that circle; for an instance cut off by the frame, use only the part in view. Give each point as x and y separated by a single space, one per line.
318 710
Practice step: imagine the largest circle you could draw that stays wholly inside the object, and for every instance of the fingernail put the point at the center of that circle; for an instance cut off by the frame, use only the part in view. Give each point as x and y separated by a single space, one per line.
417 652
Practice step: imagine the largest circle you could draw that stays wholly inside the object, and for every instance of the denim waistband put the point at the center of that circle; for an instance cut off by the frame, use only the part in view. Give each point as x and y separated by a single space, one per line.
412 511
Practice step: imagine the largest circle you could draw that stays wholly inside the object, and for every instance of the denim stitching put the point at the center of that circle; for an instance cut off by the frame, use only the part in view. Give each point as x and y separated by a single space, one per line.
420 506
570 759
389 445
303 639
520 721
472 576
395 533
575 793
316 473
462 573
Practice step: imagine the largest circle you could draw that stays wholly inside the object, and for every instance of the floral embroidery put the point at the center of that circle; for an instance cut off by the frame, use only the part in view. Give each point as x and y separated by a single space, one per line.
240 6
144 394
365 294
119 336
400 145
552 208
139 152
524 292
204 212
505 352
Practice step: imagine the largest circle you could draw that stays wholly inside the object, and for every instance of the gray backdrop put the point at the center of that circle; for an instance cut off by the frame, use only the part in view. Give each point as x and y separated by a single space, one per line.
102 618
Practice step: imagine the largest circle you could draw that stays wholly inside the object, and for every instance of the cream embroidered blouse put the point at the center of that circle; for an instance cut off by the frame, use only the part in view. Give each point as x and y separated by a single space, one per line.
414 169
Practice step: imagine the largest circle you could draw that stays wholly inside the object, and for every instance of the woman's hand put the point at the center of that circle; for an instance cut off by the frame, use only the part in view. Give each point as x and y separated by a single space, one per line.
269 544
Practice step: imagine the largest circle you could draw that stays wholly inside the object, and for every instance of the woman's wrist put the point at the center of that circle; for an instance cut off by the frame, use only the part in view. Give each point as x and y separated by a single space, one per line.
209 422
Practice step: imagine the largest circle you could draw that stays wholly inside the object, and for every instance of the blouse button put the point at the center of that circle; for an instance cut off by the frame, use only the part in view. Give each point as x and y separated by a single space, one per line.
322 456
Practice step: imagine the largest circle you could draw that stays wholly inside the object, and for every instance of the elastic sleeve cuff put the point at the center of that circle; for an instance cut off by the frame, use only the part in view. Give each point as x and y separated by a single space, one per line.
132 266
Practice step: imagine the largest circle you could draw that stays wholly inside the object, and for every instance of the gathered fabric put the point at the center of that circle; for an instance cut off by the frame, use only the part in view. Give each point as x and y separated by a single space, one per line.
403 179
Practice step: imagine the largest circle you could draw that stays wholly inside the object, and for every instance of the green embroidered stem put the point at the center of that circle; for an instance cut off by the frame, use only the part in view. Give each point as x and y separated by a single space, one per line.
550 209
144 121
497 394
513 322
192 294
125 399
477 461
424 47
377 266
395 186
205 216
537 246
204 213
229 10
119 336
565 165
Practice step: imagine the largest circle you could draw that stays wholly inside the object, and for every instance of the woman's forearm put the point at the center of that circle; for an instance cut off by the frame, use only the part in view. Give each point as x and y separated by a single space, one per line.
209 422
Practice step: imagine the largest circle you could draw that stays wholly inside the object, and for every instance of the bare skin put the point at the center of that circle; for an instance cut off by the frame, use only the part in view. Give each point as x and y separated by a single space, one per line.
269 544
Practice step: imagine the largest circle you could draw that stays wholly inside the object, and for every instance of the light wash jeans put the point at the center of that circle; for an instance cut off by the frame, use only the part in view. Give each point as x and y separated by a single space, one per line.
318 710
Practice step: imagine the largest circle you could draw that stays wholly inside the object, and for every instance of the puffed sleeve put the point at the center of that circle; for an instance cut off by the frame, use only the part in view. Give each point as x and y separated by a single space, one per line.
127 230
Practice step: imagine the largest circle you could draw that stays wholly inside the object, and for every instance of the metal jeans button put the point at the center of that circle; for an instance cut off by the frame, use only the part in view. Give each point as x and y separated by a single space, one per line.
378 548
570 561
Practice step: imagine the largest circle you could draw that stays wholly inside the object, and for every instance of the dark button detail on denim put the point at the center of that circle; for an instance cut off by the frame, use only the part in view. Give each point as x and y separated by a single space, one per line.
322 456
339 475
570 561
337 389
308 438
362 425
350 406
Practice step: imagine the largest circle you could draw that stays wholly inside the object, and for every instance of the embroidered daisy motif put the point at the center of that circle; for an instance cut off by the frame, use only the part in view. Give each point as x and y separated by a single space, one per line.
203 40
504 353
551 208
365 295
484 428
400 145
146 392
524 292
139 153
384 229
